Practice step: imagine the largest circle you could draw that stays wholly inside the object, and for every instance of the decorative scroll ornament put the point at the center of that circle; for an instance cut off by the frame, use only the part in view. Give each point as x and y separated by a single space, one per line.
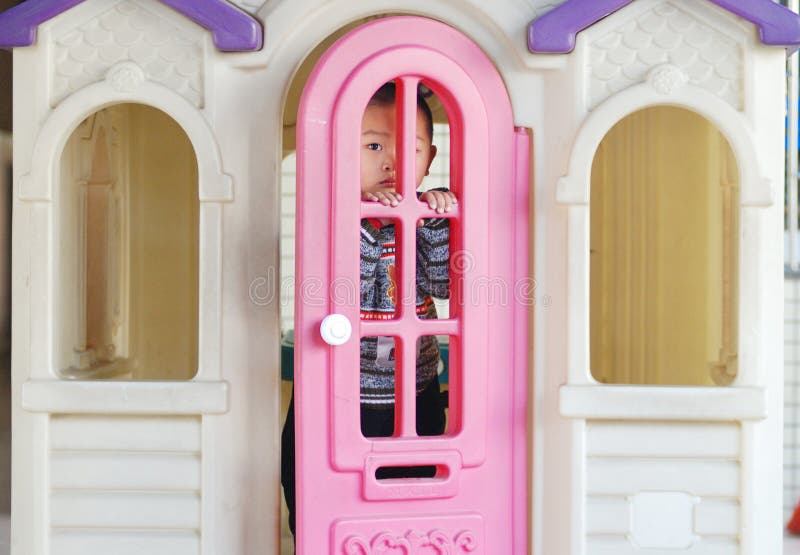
125 77
412 543
667 78
466 541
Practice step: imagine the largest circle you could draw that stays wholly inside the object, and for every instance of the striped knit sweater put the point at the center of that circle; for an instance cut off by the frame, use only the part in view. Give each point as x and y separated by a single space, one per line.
378 297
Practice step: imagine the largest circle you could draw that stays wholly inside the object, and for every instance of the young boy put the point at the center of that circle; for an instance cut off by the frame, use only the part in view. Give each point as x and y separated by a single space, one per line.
379 289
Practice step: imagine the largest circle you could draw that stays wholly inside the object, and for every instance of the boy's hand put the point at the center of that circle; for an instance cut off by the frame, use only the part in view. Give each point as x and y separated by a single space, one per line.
441 201
388 198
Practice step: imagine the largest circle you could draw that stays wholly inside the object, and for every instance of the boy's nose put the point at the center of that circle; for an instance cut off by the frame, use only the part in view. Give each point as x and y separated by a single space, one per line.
388 163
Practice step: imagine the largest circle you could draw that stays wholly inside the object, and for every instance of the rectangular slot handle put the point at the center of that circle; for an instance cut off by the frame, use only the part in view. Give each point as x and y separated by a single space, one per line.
443 486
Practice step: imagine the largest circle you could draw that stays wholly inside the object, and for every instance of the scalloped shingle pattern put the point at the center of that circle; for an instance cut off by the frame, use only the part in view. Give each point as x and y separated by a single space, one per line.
666 35
167 54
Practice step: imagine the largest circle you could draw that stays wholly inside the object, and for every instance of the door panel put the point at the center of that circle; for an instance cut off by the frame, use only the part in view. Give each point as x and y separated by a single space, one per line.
465 507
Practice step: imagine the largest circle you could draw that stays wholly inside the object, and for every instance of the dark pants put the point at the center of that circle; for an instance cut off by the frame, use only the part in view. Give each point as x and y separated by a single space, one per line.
374 423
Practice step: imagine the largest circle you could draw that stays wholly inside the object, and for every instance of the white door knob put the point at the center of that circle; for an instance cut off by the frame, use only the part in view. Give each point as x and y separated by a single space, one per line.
335 329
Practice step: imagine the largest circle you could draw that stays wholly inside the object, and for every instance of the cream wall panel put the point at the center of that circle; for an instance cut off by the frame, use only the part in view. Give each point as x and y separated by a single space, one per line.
92 542
163 434
717 518
629 476
125 471
621 546
607 515
663 439
88 509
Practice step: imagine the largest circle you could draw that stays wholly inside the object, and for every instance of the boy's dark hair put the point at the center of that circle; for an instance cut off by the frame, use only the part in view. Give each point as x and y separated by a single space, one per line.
386 96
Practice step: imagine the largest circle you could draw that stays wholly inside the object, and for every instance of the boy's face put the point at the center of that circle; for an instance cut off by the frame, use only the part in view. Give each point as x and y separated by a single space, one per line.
378 153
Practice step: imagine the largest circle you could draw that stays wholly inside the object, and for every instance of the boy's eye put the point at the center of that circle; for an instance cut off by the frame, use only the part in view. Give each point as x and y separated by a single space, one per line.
374 146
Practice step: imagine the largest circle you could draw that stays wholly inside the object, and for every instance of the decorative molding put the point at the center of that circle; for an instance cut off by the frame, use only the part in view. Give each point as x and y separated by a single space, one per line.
125 77
37 185
412 543
667 78
756 190
124 37
665 36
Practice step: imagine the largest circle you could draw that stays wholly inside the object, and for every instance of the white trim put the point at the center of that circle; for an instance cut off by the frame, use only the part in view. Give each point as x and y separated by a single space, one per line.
214 187
209 362
124 397
621 402
573 190
214 184
41 292
756 190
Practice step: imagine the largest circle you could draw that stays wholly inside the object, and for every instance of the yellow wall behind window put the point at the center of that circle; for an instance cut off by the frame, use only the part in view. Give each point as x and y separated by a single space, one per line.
664 242
164 220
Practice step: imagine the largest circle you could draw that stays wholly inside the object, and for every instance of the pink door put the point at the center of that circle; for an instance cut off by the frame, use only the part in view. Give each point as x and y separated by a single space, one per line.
476 502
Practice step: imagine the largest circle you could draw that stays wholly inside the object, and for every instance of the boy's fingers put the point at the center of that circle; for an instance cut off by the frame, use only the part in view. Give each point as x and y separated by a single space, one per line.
441 202
450 200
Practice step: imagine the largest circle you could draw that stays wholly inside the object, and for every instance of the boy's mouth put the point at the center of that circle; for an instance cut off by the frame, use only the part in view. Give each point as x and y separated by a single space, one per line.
388 183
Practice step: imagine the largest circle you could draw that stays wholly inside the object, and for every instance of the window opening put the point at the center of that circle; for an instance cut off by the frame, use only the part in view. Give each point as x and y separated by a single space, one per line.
129 251
392 112
664 252
379 356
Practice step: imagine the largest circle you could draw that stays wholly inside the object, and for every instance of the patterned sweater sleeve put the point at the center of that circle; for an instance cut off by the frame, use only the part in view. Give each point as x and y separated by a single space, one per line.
370 255
433 258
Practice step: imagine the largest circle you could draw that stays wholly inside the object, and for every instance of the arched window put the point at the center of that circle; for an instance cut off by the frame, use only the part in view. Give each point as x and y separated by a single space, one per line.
128 248
664 252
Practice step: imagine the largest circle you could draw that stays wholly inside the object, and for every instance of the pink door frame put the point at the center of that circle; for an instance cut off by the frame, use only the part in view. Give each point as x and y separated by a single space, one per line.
484 451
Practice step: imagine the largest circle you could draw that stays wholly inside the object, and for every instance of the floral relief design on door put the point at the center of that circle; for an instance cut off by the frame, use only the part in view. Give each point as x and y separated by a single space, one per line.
413 543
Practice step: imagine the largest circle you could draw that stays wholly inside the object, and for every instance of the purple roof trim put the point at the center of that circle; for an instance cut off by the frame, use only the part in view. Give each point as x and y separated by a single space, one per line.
18 24
233 30
555 31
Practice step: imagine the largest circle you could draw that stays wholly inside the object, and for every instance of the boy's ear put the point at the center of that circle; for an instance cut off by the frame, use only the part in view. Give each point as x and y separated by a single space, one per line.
430 159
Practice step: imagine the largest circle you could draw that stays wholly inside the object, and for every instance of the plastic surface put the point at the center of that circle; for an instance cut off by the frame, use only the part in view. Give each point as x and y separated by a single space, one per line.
479 470
335 329
233 29
555 31
171 467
